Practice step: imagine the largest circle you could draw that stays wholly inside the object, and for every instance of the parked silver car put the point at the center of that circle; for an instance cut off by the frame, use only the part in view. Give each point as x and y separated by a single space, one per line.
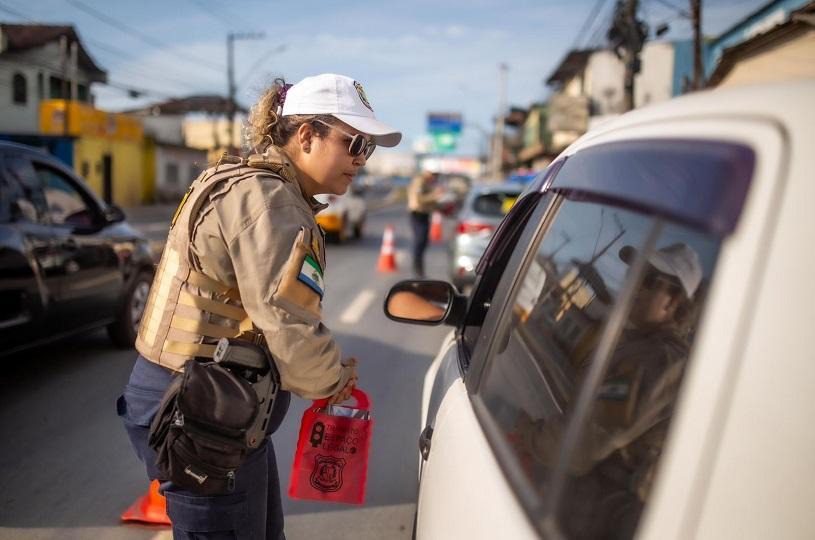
483 209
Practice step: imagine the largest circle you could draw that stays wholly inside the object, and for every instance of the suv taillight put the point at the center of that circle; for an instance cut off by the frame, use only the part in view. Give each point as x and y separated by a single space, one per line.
471 227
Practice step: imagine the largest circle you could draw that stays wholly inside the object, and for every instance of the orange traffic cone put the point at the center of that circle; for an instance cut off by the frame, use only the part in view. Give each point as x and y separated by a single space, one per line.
435 227
387 258
150 508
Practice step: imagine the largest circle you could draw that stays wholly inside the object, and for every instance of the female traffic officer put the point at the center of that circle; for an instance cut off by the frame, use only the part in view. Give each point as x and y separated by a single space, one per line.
245 259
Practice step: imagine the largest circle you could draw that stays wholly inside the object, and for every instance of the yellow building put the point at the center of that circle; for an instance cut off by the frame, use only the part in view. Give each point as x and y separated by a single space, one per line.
108 148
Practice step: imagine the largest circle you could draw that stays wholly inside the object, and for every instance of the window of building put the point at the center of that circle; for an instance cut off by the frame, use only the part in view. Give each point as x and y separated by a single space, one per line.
171 177
19 89
55 88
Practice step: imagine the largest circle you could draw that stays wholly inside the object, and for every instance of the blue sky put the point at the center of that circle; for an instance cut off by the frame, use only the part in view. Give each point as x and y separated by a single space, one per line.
413 56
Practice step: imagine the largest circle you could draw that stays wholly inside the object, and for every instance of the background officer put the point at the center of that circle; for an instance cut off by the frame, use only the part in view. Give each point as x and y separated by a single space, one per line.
423 198
245 259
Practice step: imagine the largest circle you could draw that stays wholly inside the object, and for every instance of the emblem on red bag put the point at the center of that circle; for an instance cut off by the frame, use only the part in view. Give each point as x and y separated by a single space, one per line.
327 473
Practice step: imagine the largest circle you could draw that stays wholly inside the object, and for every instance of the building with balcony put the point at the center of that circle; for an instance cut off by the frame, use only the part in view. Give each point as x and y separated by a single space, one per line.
39 62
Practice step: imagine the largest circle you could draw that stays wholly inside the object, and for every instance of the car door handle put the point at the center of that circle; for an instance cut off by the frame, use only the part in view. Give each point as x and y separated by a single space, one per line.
424 441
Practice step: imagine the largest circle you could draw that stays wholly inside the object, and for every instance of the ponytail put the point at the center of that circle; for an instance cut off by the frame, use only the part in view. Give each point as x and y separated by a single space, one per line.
267 126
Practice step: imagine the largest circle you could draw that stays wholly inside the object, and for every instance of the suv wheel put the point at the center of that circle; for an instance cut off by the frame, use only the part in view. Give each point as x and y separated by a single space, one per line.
123 331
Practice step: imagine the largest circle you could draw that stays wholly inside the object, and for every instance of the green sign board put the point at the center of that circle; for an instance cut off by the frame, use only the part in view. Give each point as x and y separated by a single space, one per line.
445 130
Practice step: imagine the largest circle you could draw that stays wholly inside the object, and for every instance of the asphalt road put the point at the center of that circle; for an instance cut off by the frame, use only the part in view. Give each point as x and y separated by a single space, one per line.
66 467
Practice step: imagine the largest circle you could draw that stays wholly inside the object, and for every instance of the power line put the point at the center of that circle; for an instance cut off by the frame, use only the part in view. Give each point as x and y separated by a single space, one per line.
233 16
143 37
11 11
598 38
129 89
260 60
101 46
203 7
119 86
133 70
587 23
675 8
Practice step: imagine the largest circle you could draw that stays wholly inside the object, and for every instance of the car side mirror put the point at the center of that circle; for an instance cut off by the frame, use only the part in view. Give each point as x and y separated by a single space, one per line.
425 302
113 214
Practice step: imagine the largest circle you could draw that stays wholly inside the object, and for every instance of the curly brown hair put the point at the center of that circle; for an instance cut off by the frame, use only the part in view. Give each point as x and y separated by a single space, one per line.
267 126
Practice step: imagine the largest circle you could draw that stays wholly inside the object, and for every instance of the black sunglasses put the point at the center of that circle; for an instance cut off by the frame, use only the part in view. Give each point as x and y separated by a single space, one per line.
656 280
358 146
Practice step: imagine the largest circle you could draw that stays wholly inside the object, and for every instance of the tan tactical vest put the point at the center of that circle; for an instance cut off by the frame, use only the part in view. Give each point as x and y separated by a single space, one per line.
187 312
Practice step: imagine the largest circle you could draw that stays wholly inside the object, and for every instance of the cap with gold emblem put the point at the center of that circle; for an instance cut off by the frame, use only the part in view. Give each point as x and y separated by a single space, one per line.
343 98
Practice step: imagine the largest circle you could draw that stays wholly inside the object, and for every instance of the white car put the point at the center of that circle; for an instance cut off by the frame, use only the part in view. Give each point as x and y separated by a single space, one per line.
345 215
634 359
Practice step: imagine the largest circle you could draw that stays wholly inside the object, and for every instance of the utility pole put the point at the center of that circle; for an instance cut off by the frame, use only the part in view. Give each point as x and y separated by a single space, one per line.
74 69
631 56
230 75
63 85
498 141
696 18
627 36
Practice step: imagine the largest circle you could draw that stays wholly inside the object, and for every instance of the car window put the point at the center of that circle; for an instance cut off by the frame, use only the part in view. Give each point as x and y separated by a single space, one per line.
494 204
547 345
494 262
25 191
66 204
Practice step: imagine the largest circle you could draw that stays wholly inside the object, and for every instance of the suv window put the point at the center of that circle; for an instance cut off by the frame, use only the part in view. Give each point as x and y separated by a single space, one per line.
495 204
548 344
66 204
25 191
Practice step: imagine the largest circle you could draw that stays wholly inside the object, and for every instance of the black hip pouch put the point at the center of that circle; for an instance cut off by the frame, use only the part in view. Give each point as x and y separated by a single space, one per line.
210 418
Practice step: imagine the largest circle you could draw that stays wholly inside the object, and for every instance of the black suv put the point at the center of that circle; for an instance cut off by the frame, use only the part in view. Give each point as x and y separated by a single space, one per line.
68 261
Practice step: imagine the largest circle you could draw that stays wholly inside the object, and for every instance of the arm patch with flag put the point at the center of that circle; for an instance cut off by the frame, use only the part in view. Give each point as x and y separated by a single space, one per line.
312 275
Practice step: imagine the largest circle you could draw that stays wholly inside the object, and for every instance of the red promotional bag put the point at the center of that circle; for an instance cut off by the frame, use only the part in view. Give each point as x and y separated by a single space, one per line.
331 460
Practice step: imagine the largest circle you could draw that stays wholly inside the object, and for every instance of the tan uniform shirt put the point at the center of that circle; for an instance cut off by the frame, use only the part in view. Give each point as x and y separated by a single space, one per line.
246 236
421 197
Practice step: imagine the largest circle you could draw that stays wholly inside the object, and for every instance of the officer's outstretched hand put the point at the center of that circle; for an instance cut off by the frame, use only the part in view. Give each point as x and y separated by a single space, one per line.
345 393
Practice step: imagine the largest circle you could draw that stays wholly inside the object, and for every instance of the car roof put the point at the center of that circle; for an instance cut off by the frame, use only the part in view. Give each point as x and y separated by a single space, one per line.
788 103
504 187
23 147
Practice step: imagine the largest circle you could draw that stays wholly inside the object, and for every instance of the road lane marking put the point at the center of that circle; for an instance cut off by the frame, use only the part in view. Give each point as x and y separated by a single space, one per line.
354 312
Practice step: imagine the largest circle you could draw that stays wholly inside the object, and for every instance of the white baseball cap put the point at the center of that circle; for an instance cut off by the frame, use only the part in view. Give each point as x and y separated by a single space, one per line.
678 260
343 98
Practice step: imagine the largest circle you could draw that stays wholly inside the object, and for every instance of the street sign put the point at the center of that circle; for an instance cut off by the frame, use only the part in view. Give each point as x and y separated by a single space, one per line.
444 130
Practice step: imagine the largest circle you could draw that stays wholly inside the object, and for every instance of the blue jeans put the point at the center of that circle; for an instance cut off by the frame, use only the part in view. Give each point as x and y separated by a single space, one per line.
420 223
253 511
